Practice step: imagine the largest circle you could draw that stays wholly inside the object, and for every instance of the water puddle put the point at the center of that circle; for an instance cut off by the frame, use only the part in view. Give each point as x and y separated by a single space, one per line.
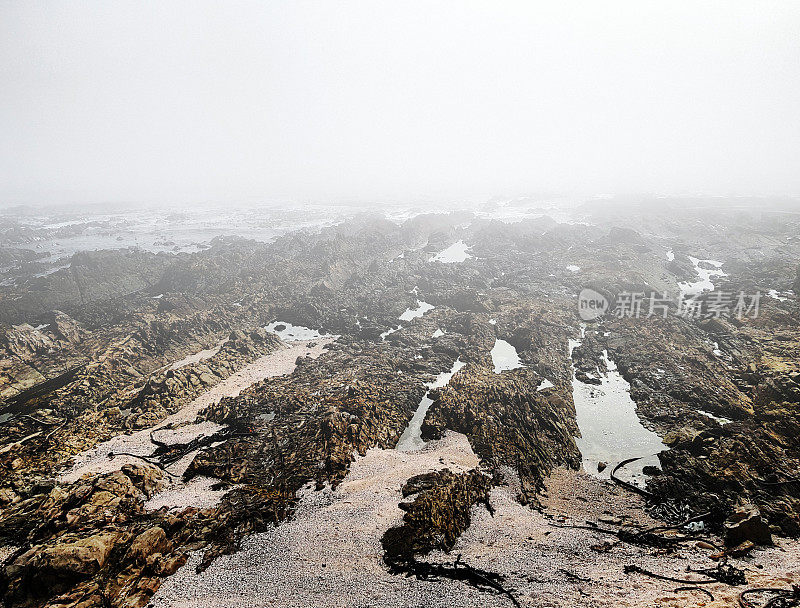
411 439
409 315
610 428
704 276
505 357
294 333
780 296
414 313
457 252
545 384
389 332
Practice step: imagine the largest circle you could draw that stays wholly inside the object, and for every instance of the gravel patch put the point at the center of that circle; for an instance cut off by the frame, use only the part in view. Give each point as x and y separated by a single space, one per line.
329 554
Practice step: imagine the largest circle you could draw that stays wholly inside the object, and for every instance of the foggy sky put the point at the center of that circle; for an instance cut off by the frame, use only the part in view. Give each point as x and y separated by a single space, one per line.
358 101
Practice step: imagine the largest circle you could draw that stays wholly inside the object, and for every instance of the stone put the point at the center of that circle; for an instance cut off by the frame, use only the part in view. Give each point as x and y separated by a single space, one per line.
151 541
742 549
746 524
67 560
146 478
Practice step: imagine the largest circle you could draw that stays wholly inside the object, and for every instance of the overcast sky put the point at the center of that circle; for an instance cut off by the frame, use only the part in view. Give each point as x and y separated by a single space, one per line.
338 100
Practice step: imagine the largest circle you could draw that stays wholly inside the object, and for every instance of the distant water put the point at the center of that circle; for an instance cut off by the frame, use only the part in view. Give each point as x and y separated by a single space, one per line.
63 233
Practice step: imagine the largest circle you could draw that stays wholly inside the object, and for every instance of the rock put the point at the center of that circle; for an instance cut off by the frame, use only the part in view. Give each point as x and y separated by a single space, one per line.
7 495
67 560
151 541
166 567
746 524
116 483
437 516
601 466
686 438
742 549
147 479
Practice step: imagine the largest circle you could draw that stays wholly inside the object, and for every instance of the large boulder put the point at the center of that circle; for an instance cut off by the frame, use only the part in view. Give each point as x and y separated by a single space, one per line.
746 524
437 516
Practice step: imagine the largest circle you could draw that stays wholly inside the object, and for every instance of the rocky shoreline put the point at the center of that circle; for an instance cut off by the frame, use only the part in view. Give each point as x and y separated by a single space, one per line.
254 427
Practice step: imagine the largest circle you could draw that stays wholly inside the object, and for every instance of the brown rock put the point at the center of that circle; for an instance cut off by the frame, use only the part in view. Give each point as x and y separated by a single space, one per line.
151 541
168 566
73 559
147 479
744 524
743 549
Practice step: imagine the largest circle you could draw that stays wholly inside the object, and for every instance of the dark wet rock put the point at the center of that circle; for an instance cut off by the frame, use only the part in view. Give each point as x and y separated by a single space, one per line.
746 524
508 423
437 516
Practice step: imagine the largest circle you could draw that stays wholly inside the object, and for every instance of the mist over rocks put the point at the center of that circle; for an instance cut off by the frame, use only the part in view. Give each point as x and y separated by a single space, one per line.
99 372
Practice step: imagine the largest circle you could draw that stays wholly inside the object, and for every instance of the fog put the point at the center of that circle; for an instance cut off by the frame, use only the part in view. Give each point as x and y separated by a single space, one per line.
390 101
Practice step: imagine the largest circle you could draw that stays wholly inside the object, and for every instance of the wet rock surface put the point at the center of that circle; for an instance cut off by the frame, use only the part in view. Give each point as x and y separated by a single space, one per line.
437 516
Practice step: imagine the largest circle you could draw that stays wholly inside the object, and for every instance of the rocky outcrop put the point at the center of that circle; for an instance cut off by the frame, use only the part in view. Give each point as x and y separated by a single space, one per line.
62 558
676 372
437 516
57 567
508 423
143 403
91 276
